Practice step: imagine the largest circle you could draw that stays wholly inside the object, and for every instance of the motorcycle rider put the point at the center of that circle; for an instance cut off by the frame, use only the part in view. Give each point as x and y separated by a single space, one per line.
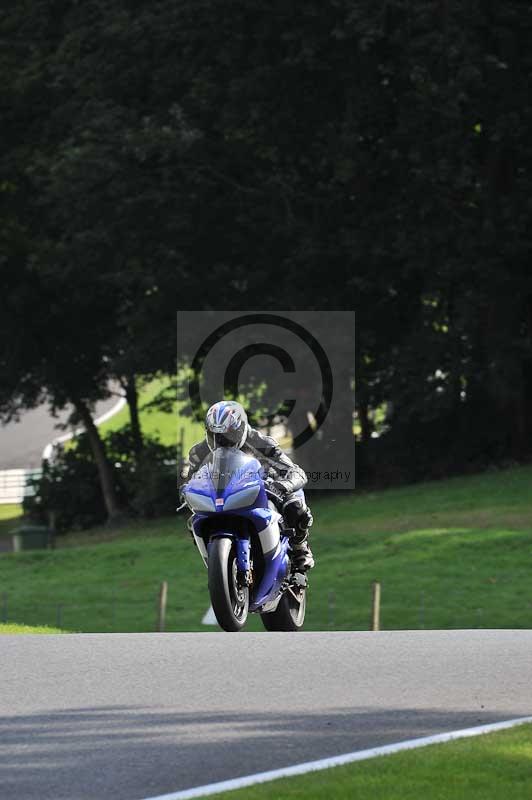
226 425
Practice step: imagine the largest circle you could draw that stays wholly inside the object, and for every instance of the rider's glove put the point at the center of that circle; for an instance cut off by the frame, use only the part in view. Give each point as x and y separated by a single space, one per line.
278 488
182 493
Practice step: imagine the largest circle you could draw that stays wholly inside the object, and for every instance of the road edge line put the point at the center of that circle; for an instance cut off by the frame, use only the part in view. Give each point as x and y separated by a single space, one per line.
49 448
337 761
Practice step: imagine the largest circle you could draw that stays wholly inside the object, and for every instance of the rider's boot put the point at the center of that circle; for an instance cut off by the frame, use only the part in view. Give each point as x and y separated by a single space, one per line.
302 557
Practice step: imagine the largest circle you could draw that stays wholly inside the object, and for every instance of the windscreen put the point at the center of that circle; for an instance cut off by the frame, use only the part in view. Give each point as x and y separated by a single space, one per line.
228 464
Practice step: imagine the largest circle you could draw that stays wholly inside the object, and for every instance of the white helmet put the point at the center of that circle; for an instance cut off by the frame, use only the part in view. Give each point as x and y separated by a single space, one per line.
226 425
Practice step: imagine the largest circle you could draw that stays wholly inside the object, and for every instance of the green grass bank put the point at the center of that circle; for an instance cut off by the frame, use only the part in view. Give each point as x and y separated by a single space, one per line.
488 767
14 628
449 554
169 426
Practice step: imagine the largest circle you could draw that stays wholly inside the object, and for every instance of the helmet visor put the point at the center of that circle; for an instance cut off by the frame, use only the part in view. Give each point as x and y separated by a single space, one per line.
231 438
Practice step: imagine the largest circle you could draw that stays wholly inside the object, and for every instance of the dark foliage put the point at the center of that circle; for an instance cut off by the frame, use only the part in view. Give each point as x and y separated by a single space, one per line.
69 490
148 480
67 494
373 156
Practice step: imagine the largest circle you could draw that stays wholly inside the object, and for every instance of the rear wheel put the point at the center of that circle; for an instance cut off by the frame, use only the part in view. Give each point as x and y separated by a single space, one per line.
289 614
229 600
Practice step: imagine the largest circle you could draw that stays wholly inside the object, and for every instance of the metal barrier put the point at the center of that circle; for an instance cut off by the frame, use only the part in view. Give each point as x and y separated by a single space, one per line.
14 484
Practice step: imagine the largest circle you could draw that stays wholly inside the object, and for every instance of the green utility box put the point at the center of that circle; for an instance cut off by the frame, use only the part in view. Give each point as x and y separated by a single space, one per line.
31 537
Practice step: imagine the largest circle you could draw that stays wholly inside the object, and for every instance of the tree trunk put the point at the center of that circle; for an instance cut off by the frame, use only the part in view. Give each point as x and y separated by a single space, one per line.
364 469
527 381
132 401
366 425
105 472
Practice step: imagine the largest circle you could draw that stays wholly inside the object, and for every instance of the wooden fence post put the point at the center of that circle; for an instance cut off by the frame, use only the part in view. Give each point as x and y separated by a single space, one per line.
331 605
161 617
376 607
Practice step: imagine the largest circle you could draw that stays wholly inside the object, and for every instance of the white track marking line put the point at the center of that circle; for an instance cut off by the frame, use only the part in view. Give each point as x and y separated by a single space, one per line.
336 761
48 450
118 406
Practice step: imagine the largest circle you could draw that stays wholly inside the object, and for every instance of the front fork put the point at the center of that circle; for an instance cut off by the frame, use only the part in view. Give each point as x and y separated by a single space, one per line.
243 560
243 557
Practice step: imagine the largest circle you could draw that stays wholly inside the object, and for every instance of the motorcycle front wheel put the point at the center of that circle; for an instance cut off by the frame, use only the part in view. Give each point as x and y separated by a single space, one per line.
289 614
229 600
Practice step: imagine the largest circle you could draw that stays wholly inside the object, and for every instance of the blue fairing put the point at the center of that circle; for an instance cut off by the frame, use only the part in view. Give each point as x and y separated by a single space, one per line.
275 570
231 488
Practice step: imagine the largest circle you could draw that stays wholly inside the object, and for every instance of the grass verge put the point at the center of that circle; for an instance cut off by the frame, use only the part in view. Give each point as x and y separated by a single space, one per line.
8 516
449 554
489 767
9 627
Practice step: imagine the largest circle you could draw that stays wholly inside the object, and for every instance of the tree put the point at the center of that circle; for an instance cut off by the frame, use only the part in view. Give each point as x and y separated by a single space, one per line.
372 157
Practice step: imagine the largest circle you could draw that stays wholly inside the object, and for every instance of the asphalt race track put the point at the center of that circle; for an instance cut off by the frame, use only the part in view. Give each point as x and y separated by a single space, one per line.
130 716
22 442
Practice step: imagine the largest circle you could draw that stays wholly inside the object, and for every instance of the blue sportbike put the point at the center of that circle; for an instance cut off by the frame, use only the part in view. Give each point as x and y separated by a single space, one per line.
243 542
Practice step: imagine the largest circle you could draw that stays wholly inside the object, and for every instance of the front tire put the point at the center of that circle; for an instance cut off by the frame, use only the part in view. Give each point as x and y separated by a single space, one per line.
289 614
229 601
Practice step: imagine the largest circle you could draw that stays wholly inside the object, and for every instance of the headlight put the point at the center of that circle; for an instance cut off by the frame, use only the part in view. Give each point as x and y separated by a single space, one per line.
245 497
199 502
